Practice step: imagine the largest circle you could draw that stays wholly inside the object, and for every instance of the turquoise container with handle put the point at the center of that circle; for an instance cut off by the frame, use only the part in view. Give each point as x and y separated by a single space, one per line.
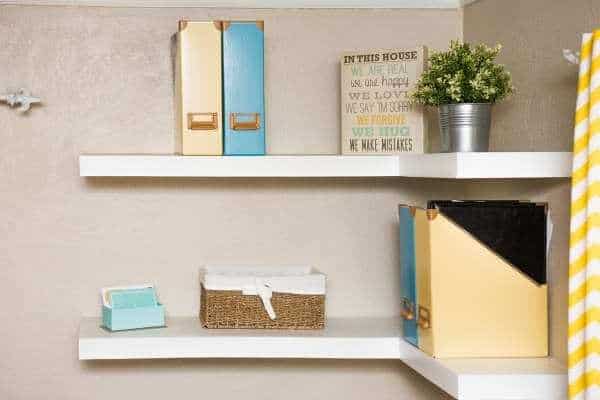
243 88
132 308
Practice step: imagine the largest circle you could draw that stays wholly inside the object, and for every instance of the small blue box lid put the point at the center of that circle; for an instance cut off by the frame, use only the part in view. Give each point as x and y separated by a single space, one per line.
133 298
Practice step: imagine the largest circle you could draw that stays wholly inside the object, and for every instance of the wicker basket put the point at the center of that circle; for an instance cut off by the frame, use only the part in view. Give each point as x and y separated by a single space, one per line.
238 309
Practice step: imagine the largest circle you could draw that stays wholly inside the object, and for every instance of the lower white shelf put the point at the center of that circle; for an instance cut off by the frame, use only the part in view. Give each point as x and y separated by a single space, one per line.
184 337
343 338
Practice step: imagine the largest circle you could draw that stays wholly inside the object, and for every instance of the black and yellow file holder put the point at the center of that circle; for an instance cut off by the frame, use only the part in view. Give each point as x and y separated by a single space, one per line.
474 278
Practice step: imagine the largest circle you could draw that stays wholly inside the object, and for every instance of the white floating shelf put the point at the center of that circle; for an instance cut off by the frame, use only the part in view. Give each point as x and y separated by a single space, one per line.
185 338
252 3
436 165
491 378
344 338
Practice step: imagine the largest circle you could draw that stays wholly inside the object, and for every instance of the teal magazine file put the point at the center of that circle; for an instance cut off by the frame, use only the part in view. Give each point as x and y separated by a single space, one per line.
408 275
243 88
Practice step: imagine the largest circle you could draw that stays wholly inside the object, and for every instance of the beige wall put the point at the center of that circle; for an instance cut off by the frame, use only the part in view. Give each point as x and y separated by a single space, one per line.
540 115
534 32
105 78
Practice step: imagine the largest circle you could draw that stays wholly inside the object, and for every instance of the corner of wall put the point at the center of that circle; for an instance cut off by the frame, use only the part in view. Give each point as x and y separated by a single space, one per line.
467 5
461 16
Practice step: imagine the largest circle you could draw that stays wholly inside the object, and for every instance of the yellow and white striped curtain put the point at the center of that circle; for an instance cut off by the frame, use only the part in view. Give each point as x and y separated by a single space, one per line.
584 254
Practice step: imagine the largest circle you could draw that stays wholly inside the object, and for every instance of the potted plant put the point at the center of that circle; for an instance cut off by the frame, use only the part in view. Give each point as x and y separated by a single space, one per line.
463 83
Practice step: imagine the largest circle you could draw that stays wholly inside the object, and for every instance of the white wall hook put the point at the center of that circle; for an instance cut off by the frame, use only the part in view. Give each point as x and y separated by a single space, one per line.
571 56
22 98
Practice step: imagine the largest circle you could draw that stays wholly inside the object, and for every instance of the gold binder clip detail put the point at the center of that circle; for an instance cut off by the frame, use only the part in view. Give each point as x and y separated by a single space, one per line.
203 121
423 319
408 309
251 125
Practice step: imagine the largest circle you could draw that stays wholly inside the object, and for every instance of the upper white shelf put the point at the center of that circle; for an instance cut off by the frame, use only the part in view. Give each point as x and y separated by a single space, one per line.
253 3
435 165
344 338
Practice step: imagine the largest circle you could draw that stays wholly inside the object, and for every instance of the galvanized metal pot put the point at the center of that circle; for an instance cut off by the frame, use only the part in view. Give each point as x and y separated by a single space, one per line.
465 127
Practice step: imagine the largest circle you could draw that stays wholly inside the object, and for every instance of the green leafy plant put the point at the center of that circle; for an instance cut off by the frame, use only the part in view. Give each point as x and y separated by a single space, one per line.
463 74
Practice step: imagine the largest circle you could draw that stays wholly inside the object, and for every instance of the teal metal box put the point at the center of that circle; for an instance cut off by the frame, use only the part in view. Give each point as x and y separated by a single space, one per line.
120 319
131 307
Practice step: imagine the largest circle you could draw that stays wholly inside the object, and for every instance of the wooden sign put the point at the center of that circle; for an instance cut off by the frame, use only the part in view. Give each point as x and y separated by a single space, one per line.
377 115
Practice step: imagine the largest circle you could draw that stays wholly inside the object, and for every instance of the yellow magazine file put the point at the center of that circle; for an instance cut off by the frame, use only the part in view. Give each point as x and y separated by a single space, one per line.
471 302
199 110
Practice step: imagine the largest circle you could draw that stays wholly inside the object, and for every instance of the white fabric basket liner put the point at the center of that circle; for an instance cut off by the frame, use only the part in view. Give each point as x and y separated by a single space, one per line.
280 279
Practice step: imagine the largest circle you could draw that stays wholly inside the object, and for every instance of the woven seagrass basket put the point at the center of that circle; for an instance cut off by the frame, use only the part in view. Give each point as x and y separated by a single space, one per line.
232 309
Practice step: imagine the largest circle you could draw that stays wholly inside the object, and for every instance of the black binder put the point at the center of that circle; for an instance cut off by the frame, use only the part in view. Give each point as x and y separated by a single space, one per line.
515 230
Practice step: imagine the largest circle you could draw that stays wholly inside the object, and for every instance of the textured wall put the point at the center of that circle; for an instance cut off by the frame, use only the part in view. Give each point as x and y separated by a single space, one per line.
534 32
105 78
539 117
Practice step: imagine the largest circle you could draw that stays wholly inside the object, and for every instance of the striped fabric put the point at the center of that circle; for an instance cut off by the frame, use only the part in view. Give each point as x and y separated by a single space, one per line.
584 254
